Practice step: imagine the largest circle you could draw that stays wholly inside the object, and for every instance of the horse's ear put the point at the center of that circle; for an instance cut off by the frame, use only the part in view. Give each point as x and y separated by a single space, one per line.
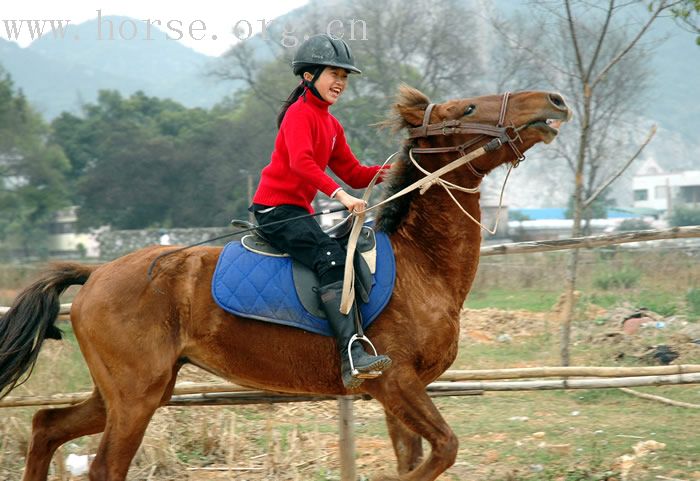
408 110
413 116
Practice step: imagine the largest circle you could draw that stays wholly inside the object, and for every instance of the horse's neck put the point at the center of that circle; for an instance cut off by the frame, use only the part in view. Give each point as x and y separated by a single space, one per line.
437 235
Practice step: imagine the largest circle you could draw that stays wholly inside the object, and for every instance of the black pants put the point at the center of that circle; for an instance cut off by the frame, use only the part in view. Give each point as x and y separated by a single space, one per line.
304 240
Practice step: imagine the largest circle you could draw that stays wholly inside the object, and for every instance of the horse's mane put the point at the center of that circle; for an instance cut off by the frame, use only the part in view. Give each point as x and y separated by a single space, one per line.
403 173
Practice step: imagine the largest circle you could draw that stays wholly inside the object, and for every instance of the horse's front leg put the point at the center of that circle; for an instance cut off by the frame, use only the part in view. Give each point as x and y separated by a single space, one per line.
404 396
408 445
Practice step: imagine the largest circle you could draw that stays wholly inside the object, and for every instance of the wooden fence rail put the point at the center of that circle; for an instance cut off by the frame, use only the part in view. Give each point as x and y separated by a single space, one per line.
591 241
451 383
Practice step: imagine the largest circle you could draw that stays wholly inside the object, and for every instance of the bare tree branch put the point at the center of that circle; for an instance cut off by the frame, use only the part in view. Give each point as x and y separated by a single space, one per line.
601 40
574 39
662 6
614 177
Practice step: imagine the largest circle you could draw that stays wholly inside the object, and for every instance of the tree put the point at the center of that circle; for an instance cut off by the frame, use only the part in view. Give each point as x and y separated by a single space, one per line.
32 182
687 15
600 62
141 162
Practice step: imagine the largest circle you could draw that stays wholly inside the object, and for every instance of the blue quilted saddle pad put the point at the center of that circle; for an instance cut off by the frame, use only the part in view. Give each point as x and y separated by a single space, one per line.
262 287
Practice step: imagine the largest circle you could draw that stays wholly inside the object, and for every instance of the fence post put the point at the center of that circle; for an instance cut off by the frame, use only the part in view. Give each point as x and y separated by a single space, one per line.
347 438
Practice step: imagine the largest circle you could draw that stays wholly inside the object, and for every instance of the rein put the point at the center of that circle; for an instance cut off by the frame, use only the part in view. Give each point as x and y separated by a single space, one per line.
231 234
501 134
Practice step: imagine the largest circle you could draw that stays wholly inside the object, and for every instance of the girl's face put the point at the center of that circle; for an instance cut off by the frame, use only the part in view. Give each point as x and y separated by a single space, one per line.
331 83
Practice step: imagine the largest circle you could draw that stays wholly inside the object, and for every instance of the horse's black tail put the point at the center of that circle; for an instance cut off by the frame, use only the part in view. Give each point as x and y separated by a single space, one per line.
31 319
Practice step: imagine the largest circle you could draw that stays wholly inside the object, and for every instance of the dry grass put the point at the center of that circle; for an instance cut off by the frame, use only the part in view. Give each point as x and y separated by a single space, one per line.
556 436
543 436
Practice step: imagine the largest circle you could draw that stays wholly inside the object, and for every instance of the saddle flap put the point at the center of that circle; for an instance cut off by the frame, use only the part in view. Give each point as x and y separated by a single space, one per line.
263 287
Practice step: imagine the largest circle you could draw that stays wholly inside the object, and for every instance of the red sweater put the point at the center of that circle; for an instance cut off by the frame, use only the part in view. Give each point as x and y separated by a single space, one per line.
309 140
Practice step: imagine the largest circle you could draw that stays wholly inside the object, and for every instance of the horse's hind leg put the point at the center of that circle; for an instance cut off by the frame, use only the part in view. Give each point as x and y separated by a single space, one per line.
405 397
53 427
407 444
132 400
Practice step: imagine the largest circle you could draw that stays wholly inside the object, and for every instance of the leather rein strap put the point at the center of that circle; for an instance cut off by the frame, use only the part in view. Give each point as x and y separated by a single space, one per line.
502 134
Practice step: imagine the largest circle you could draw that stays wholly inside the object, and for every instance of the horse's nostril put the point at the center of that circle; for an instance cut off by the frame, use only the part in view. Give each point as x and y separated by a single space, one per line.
557 100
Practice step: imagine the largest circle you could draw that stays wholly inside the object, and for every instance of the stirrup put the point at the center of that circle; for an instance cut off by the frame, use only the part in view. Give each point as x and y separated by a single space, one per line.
354 372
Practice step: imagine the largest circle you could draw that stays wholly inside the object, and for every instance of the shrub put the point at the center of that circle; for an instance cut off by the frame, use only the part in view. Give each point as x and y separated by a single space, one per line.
633 224
659 302
685 216
624 278
693 300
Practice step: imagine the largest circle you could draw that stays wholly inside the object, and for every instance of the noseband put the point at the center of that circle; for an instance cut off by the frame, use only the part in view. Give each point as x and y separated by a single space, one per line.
502 134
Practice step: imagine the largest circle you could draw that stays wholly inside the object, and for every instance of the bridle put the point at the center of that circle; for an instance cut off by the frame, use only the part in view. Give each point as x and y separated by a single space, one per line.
502 134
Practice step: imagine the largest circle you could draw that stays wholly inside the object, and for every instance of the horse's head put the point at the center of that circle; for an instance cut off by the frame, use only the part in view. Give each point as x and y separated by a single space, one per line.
459 126
454 132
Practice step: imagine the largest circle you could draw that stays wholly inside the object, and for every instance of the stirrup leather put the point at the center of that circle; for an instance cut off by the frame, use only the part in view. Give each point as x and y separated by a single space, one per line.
354 372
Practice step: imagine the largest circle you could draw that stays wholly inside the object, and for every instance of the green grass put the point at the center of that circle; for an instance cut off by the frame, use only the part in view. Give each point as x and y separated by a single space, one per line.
661 301
538 300
693 299
529 436
495 443
541 350
624 278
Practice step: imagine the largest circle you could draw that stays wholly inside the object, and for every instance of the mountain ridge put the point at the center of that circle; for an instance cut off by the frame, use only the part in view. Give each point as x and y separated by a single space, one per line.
60 74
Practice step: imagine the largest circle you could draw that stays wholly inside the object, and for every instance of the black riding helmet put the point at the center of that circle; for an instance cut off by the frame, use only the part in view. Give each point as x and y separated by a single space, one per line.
323 50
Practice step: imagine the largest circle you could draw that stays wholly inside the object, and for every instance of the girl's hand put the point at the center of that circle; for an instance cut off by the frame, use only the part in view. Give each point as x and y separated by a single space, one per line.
353 204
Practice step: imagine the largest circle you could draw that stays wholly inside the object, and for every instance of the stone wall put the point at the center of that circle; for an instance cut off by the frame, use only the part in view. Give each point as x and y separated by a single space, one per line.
117 243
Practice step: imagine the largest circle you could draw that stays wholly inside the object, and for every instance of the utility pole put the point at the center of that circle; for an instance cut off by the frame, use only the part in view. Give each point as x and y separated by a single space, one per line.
249 190
251 218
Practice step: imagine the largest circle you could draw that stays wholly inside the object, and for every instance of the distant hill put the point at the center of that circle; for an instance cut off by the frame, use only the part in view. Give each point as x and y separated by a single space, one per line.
58 75
675 91
62 74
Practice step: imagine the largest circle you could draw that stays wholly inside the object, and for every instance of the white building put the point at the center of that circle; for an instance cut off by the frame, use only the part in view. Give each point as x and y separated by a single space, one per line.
66 241
659 190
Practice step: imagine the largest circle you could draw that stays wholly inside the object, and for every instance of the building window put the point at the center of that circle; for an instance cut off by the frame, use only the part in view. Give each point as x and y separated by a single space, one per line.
690 194
660 192
63 228
641 194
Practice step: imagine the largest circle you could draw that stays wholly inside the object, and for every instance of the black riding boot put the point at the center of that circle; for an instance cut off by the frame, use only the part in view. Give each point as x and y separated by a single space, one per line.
343 327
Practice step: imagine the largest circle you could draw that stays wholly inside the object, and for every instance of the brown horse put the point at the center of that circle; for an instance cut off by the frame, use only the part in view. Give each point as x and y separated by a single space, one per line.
135 334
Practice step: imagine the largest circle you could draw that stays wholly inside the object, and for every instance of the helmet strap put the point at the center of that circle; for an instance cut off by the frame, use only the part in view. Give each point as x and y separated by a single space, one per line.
316 72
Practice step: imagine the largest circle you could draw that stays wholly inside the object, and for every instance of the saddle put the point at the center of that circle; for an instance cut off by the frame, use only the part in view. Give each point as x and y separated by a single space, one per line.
254 280
306 281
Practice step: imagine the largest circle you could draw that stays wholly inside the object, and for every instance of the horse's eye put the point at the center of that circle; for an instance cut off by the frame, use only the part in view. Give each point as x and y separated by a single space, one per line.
470 109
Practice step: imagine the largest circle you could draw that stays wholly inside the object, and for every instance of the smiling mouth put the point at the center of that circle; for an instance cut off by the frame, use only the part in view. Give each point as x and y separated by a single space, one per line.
336 91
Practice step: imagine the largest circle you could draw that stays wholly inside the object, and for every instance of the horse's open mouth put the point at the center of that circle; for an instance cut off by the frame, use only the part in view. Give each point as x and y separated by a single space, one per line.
549 127
548 124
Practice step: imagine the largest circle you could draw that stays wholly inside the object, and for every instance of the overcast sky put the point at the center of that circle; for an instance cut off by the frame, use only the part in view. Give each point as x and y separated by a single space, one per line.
218 18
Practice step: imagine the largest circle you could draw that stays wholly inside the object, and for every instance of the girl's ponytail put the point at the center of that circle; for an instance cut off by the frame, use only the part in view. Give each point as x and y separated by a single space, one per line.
296 93
315 71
